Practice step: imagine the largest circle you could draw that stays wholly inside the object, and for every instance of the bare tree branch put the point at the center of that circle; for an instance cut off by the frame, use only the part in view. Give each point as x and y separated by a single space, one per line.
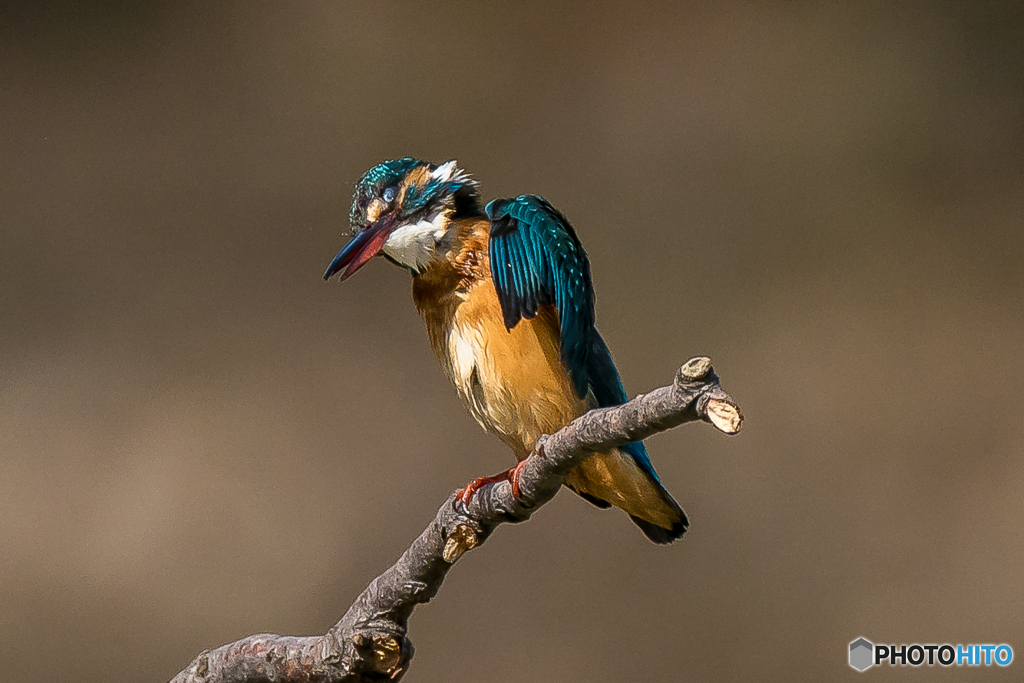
370 642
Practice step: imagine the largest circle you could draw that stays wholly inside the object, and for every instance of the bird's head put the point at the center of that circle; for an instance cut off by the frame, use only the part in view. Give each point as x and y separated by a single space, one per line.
403 209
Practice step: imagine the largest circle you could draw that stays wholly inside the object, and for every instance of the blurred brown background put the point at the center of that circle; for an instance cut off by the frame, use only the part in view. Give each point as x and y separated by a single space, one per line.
199 439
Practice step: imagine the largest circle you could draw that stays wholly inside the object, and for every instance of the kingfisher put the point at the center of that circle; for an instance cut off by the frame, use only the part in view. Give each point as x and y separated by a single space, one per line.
506 294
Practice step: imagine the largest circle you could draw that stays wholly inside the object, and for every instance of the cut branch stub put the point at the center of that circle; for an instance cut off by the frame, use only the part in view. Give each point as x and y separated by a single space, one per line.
697 368
724 415
463 538
387 654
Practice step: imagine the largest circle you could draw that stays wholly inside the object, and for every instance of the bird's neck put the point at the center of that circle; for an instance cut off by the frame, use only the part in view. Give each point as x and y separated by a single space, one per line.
460 262
424 242
450 282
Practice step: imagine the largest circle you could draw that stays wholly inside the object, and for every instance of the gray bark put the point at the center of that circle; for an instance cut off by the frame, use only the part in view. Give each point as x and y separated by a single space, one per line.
370 643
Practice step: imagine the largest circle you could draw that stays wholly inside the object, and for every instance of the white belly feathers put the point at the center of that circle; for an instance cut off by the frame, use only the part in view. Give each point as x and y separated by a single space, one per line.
466 351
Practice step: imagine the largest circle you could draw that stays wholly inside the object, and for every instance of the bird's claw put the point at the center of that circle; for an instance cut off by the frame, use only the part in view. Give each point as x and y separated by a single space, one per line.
513 479
464 496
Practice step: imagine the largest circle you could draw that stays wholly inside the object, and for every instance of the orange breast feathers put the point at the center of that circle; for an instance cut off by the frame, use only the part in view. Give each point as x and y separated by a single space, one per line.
512 381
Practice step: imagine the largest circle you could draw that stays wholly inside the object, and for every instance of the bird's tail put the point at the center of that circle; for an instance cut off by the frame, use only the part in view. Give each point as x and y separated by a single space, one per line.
660 535
627 481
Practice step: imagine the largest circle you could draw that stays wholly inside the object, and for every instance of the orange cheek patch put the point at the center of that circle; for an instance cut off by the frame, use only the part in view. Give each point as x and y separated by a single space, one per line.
374 210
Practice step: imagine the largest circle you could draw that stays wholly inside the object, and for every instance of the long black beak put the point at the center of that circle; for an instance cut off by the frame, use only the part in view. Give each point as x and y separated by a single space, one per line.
360 249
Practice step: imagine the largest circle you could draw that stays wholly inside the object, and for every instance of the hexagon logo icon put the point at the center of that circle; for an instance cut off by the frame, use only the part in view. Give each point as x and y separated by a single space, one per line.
861 654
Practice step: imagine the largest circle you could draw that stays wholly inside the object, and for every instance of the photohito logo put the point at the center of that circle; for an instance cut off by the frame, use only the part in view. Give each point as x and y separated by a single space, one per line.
865 654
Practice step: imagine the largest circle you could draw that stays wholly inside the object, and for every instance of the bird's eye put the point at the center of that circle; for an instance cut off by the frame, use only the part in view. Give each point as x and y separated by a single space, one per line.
389 194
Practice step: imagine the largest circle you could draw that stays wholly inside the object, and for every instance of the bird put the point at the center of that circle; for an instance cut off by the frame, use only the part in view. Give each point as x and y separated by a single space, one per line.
506 294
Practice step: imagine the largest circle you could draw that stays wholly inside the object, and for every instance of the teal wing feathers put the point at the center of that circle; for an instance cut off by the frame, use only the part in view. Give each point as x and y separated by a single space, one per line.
536 260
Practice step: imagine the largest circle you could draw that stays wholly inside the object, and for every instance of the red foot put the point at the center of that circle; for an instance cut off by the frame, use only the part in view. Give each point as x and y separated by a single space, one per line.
513 478
517 471
465 494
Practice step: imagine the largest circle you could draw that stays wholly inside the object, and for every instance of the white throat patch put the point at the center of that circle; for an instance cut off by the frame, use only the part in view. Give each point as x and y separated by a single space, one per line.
413 244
